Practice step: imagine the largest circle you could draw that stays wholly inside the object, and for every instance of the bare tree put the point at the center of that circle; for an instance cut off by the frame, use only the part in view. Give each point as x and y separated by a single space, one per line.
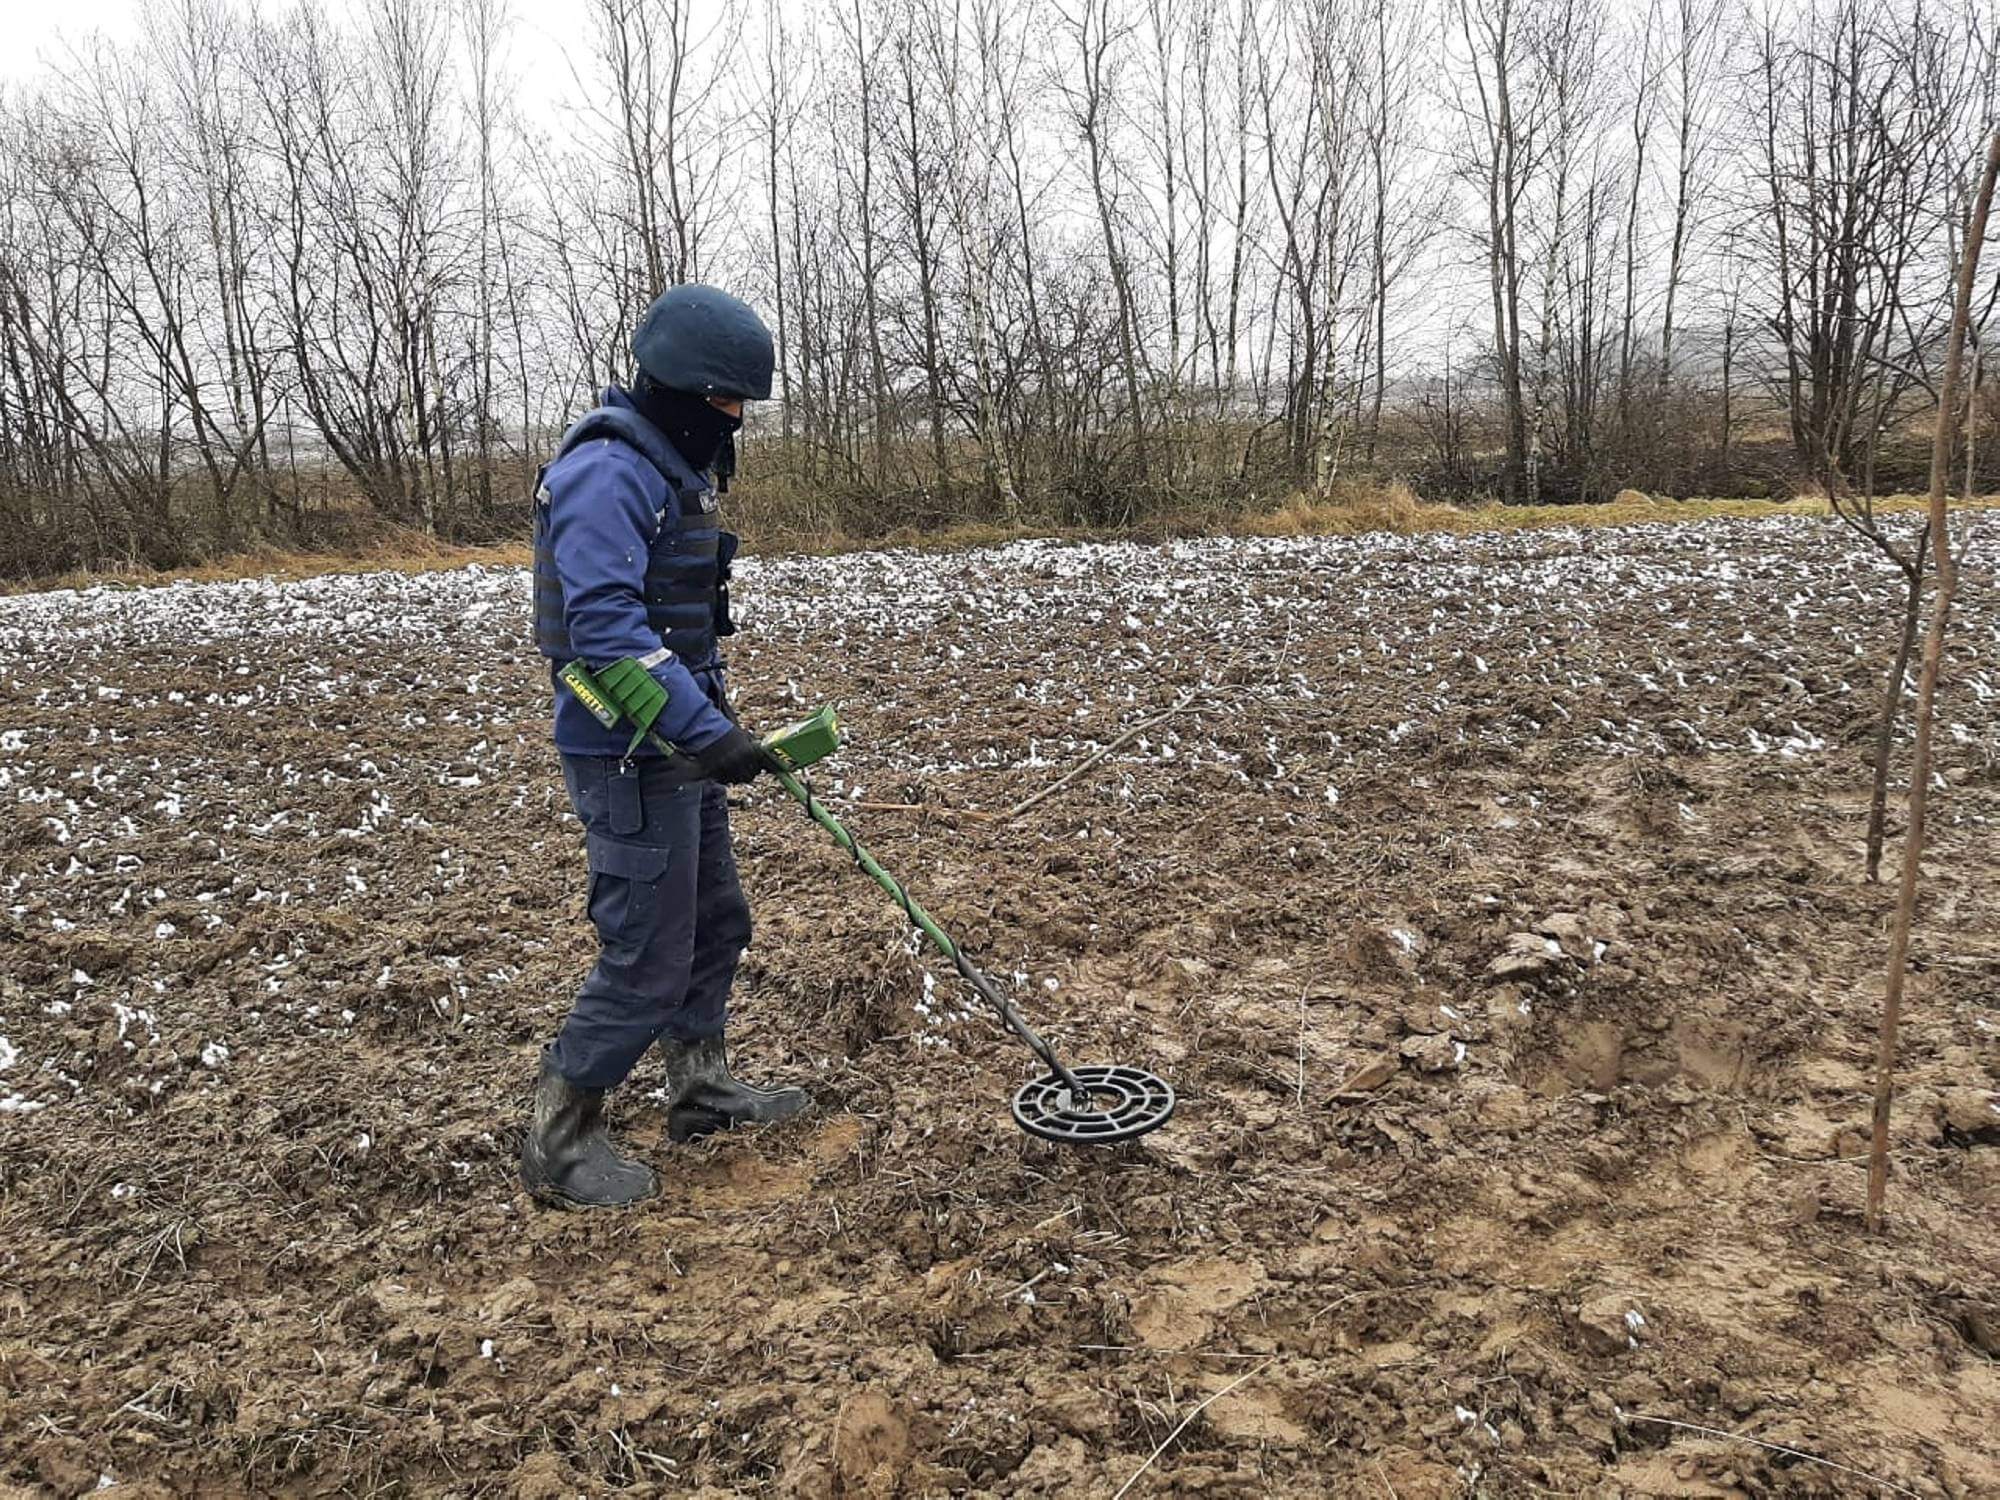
865 49
1501 142
1060 260
485 24
1092 97
916 171
1858 130
1945 566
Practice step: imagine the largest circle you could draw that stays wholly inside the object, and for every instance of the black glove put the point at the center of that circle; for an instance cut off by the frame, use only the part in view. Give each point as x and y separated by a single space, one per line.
734 759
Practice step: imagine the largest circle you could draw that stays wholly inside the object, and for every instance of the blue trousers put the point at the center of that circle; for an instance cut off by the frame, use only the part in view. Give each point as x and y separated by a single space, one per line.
669 911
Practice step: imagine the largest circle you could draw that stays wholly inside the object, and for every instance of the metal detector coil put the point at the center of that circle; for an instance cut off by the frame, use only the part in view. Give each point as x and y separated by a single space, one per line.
1118 1104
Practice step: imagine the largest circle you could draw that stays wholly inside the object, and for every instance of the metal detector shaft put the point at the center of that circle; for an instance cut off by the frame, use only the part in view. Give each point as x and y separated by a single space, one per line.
919 918
940 939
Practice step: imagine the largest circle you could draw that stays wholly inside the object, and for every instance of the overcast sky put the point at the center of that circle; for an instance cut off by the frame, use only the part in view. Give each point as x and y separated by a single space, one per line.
33 32
30 32
37 33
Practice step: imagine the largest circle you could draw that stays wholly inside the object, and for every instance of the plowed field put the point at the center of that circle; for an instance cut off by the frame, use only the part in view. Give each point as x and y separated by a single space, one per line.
1495 903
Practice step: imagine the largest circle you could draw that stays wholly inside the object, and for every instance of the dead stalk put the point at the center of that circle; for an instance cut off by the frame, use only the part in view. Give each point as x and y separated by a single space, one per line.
1185 699
1742 1437
1920 772
1182 1426
1892 702
1299 1091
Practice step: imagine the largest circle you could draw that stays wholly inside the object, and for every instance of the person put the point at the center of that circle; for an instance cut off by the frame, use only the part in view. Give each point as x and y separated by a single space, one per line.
630 561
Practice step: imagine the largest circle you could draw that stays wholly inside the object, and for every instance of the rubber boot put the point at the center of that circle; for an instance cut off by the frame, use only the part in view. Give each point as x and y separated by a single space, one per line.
702 1096
567 1158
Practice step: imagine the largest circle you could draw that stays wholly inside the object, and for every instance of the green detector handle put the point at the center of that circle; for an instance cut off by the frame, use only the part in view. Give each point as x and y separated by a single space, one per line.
609 697
586 689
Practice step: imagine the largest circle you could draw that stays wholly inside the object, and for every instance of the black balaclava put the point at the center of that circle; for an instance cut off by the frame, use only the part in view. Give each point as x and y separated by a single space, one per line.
704 435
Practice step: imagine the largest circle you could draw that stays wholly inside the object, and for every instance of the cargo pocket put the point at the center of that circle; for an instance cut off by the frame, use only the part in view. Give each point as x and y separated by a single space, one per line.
622 881
624 802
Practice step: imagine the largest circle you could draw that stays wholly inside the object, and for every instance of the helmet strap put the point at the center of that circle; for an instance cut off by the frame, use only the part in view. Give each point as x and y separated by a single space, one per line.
725 463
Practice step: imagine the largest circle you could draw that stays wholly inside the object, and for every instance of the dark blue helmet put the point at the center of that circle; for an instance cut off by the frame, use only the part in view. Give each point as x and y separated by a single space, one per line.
699 339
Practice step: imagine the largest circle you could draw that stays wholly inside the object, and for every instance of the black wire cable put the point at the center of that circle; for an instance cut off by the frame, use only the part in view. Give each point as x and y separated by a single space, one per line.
980 982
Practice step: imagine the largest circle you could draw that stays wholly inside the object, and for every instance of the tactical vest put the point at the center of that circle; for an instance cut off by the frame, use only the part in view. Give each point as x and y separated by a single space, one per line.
687 567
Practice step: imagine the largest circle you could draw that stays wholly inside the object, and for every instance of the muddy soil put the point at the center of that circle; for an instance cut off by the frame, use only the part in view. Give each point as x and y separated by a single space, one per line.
1495 904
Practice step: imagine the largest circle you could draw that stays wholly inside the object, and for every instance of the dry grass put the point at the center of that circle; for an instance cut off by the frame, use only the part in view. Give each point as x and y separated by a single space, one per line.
397 550
1396 508
1355 509
1361 508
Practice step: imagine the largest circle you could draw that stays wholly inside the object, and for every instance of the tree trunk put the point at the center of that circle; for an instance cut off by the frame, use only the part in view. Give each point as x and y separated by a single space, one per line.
1946 568
1892 703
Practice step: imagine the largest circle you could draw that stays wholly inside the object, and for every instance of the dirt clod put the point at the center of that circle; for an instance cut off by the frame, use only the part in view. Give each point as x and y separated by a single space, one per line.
1981 1323
1972 1114
1610 1324
871 1446
1528 956
1371 1075
1572 933
1435 1053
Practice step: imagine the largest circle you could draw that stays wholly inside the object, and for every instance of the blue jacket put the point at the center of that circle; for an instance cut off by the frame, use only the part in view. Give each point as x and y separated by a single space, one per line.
610 514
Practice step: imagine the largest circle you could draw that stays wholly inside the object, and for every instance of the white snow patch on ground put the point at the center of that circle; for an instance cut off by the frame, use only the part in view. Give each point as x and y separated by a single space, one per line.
1647 642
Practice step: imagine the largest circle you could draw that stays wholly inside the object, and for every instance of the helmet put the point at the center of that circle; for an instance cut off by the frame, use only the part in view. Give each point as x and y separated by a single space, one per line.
700 339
